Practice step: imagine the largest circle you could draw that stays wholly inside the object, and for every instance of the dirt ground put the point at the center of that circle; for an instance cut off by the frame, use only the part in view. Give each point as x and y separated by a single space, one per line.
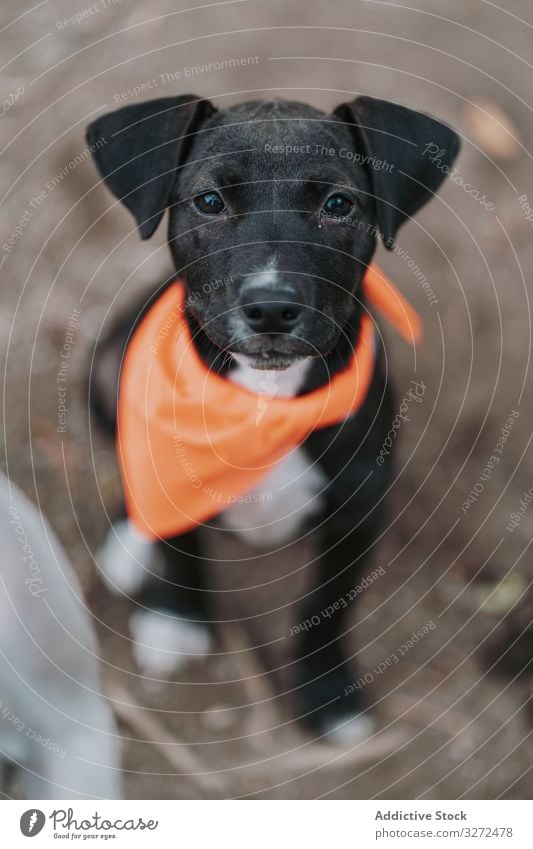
453 717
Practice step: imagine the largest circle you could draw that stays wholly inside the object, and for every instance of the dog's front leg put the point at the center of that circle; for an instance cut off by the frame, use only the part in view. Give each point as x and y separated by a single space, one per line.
170 624
330 698
330 701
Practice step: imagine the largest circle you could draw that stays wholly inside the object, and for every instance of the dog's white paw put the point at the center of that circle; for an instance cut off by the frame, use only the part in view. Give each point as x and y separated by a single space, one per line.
164 644
350 730
127 559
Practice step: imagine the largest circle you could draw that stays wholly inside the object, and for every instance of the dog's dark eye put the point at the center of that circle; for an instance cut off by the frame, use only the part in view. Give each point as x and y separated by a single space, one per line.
210 203
338 205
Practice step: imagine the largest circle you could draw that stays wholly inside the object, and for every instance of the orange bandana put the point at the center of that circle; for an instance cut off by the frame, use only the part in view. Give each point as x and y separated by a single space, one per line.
191 442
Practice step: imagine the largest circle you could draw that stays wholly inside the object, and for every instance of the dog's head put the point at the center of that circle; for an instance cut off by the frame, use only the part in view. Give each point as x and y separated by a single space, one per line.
274 207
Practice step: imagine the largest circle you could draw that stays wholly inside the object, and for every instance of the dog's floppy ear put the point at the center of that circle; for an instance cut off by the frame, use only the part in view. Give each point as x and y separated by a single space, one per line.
138 148
399 147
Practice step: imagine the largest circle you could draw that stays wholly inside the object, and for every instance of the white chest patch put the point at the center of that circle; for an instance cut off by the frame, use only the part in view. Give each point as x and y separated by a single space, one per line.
271 384
272 513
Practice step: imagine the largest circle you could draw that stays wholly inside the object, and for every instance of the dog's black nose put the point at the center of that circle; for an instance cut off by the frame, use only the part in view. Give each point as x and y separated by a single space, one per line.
271 311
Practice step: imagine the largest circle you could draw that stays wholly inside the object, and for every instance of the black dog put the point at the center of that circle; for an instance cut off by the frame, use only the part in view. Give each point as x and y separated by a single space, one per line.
283 203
